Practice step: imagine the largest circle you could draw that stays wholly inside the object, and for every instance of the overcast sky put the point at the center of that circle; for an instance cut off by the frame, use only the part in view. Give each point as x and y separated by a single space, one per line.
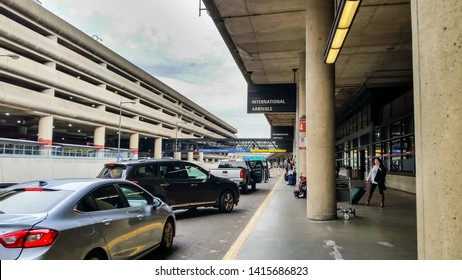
169 40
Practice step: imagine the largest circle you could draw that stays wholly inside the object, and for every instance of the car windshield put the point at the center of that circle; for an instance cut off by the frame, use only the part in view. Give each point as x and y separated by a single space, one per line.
112 171
30 201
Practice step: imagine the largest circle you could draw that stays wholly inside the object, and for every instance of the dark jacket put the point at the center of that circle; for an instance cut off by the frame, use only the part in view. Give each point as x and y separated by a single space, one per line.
380 177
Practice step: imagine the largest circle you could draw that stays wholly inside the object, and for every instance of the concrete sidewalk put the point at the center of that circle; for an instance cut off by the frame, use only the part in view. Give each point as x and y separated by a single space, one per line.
282 231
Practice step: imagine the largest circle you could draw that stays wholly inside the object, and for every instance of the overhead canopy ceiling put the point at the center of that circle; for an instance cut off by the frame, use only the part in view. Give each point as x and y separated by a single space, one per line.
266 38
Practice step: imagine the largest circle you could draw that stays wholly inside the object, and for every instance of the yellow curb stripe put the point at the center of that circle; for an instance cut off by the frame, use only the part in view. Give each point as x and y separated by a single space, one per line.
237 245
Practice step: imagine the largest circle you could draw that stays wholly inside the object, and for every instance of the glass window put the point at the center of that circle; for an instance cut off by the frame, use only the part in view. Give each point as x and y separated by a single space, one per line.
408 125
30 200
396 147
355 159
408 145
395 164
364 140
384 131
107 198
355 143
377 150
395 129
136 197
408 163
172 171
111 171
195 172
147 171
386 148
377 137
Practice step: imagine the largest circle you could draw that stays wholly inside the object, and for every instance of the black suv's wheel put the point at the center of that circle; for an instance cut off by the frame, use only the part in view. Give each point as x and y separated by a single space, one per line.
226 202
167 236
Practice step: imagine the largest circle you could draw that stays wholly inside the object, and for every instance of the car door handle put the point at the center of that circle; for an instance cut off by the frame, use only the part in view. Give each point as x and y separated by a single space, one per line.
107 222
164 184
194 185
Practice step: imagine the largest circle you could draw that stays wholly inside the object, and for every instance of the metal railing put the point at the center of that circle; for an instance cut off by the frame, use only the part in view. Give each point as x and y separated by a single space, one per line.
22 148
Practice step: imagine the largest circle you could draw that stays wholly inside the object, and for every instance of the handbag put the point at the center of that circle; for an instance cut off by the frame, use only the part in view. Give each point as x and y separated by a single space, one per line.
286 177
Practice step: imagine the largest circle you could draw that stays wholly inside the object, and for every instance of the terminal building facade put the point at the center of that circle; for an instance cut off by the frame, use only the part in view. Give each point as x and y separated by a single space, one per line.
383 81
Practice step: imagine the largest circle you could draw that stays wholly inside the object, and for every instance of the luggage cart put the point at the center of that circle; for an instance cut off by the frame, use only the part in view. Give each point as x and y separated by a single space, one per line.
343 189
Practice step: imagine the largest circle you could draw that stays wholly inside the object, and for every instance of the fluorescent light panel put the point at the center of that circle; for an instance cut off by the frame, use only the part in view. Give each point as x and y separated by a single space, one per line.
339 31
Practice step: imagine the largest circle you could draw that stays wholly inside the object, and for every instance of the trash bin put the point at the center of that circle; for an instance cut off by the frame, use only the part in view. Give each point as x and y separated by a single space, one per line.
349 171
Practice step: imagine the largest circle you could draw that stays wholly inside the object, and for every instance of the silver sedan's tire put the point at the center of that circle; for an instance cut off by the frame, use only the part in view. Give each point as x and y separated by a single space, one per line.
226 202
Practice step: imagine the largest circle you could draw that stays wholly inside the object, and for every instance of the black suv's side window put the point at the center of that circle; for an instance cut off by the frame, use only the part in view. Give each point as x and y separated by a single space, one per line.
195 172
147 171
172 170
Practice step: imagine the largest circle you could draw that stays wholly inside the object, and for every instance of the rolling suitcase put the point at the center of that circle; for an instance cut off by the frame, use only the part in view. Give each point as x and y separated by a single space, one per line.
292 180
356 193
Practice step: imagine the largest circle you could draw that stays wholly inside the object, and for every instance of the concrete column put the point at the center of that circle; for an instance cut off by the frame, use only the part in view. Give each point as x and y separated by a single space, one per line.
45 133
301 116
134 144
320 116
201 156
190 156
99 140
158 148
177 155
437 63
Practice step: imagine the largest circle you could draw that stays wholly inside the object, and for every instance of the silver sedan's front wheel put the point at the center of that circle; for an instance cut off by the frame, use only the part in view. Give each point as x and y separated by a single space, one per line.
226 202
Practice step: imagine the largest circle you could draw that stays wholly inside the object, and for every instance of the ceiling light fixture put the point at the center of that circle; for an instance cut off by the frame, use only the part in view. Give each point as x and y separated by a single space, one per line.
339 31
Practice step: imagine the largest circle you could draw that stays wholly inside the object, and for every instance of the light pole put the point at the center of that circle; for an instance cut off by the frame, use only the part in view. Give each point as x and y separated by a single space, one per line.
11 55
176 138
120 125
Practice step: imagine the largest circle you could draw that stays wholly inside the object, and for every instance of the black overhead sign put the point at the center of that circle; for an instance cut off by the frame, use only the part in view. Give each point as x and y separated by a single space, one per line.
271 98
282 132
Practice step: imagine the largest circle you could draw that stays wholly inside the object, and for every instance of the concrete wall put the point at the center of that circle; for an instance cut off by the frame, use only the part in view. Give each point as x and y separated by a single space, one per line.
15 170
402 183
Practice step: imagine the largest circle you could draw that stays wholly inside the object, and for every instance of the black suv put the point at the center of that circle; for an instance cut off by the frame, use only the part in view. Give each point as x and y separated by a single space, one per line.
181 184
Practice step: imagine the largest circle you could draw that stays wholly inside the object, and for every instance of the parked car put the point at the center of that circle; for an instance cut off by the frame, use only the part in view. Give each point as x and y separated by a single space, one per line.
181 184
82 219
239 171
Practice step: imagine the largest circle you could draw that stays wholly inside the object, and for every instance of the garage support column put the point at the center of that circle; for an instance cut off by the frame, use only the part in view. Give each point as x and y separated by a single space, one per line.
190 156
99 140
134 143
45 134
201 156
437 63
320 115
157 148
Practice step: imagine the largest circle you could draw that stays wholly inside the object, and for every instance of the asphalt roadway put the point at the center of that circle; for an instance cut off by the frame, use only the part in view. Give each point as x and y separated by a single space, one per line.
207 234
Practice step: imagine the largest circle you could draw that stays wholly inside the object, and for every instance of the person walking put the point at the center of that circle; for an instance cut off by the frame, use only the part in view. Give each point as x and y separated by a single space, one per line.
376 178
291 173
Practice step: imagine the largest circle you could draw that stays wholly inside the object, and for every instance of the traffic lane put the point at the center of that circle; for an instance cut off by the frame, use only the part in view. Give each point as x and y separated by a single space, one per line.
207 234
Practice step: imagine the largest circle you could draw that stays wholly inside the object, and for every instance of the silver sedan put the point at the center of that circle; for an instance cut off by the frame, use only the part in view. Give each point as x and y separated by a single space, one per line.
82 219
